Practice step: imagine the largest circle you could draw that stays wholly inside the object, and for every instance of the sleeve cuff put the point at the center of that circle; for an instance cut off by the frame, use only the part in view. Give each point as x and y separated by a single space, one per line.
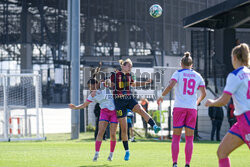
89 100
201 86
227 92
174 79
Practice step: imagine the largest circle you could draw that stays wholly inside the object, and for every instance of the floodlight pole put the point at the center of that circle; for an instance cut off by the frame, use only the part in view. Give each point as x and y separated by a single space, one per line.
74 51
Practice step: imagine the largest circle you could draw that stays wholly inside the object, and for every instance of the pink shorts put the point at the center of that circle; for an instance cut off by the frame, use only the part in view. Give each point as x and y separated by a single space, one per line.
242 127
184 117
109 116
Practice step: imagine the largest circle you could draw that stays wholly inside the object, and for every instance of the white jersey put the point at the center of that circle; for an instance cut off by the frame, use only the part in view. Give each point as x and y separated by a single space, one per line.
188 81
104 97
238 85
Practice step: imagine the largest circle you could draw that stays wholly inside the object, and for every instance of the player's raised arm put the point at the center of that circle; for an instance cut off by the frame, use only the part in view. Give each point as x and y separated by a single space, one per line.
81 106
166 91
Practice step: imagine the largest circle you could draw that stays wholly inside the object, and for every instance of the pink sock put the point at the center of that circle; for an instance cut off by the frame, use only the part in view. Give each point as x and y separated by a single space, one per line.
189 148
112 145
97 145
175 147
224 162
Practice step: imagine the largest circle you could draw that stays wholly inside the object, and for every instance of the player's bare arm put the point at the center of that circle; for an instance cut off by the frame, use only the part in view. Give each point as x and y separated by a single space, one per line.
221 101
84 105
166 91
202 96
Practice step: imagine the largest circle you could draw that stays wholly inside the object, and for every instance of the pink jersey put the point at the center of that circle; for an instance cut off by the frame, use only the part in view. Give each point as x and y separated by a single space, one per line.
188 82
238 85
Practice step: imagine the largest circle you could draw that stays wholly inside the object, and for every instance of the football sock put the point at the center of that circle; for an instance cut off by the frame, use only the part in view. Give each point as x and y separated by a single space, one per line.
189 148
125 145
112 145
151 122
97 145
175 147
225 162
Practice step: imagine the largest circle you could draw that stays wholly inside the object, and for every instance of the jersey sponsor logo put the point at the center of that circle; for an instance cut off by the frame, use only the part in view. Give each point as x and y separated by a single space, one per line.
119 113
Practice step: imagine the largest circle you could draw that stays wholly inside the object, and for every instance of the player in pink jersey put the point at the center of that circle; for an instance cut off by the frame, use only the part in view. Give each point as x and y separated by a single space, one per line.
188 82
237 86
102 95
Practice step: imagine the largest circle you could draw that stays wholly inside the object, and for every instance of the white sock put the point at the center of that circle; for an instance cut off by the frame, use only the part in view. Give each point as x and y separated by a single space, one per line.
111 153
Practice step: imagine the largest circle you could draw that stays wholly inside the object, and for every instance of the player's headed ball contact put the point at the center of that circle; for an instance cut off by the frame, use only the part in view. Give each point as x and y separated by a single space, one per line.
155 10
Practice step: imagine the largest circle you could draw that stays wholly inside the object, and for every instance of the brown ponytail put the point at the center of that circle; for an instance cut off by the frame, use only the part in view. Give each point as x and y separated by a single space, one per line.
242 53
187 60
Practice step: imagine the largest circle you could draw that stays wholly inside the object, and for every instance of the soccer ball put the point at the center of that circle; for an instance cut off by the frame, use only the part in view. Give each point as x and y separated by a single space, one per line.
155 10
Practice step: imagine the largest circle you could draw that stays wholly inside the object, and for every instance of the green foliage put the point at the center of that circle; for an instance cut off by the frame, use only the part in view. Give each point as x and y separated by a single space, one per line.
155 114
90 128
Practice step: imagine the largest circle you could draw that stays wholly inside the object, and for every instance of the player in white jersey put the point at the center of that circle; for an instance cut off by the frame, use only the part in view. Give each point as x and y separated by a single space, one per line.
237 86
187 83
102 95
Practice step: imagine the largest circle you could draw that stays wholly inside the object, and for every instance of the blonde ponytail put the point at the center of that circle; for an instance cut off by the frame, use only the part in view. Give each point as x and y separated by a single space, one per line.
242 53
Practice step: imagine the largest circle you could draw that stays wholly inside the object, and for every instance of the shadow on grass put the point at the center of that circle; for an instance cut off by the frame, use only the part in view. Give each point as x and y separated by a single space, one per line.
154 140
86 140
103 165
89 137
170 141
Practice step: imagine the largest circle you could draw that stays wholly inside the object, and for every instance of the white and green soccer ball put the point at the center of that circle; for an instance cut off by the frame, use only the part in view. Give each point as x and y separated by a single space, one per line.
155 10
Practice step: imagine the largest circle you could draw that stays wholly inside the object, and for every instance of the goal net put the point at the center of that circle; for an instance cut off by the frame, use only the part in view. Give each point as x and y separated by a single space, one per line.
21 116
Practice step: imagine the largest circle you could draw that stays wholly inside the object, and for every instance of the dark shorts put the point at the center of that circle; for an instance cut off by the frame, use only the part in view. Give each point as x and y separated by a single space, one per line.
130 125
124 103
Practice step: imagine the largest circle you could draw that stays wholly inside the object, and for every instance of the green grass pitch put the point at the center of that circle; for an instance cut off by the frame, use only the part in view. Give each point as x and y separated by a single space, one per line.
59 151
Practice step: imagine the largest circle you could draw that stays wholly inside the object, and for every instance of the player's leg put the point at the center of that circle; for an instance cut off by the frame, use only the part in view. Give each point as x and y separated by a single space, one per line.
219 123
129 125
113 127
175 145
139 109
229 143
121 112
233 139
102 127
132 133
190 123
124 134
213 129
179 115
189 136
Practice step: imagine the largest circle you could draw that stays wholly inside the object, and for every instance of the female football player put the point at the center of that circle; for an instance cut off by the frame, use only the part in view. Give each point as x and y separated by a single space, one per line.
188 82
121 83
103 96
237 86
